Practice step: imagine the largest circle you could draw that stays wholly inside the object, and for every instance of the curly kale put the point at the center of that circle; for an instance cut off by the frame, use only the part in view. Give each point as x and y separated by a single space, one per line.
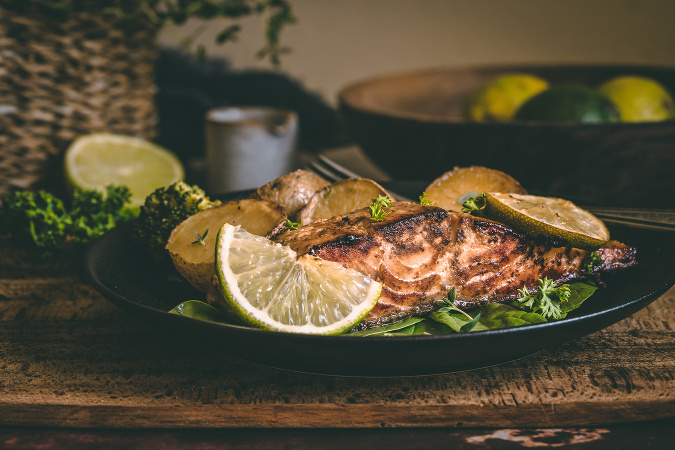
47 223
163 210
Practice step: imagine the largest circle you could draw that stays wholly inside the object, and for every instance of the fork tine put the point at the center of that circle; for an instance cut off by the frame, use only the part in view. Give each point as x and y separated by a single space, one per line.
341 170
333 172
322 171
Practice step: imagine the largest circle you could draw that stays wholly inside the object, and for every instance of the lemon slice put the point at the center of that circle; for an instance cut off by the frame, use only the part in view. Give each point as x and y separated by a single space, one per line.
266 286
97 160
553 218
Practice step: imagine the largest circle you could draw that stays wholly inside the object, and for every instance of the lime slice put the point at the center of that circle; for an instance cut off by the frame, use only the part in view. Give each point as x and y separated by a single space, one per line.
266 286
97 160
553 218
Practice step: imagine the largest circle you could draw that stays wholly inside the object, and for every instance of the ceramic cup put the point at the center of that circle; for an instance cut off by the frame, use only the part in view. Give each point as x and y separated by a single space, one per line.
248 146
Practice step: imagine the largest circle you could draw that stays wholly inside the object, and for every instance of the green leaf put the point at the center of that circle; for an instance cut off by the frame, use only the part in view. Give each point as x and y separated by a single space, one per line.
424 200
196 309
546 300
579 292
499 315
396 326
471 325
228 34
293 225
474 204
456 320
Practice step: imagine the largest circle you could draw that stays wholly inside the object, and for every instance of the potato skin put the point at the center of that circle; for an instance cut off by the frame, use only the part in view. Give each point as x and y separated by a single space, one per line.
291 191
195 262
341 197
446 190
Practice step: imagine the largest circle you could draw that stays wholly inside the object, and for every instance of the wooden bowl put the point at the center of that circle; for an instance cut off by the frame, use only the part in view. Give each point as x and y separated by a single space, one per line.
411 125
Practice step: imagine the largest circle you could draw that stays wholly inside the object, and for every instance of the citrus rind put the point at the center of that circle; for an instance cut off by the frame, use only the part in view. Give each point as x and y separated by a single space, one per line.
96 160
552 218
266 286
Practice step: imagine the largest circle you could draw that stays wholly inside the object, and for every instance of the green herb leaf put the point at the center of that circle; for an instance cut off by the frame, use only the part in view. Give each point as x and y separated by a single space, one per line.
474 204
580 291
592 261
390 328
457 320
200 239
424 200
545 300
471 325
196 309
499 315
293 225
376 209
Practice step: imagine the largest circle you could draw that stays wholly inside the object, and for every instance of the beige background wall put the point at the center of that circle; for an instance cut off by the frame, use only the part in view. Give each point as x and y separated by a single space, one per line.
338 41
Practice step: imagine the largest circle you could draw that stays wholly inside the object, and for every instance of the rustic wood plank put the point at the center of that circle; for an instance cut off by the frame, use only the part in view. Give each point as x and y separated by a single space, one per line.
69 358
120 373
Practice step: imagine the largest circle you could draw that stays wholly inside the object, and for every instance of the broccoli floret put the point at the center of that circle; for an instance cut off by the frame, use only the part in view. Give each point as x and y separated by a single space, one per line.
163 210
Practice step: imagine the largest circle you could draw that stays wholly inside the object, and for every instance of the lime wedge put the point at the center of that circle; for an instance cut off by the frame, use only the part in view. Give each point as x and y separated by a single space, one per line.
548 217
266 286
97 160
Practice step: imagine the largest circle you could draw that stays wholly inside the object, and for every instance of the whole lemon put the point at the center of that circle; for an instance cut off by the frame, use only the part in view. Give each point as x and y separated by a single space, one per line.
500 98
569 104
639 99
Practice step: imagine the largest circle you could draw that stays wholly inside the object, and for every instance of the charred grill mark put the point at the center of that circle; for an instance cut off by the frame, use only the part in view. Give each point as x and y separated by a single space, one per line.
420 253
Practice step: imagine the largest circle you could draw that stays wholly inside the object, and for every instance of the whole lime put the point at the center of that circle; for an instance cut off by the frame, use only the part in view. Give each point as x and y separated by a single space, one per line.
499 99
639 99
569 104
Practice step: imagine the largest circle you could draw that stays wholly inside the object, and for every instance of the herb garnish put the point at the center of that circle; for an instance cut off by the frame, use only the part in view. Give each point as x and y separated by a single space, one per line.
424 200
376 211
475 203
449 303
293 225
592 261
546 300
200 239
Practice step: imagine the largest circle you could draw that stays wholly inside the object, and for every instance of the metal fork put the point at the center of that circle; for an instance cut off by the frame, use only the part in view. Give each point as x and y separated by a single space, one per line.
332 171
651 219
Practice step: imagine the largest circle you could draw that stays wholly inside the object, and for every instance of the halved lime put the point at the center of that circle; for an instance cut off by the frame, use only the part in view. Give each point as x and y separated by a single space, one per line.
266 286
97 160
552 218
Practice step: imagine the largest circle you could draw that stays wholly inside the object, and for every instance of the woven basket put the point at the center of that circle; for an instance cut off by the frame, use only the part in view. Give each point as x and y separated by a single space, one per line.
63 77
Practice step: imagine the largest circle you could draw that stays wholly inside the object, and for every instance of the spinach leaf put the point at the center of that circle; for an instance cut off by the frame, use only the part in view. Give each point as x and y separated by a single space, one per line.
499 315
580 291
391 328
456 320
196 309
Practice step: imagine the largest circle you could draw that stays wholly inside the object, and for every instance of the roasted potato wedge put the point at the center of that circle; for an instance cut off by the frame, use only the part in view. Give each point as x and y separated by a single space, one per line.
340 198
292 191
447 190
194 260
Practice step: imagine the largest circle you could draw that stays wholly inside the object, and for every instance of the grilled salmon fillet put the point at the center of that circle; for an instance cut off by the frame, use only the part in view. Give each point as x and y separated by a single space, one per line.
421 252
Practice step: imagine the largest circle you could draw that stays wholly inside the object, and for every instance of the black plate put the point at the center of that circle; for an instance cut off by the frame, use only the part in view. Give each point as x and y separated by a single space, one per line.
123 274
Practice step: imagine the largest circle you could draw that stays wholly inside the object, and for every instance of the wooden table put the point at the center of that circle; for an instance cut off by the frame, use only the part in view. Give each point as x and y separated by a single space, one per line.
69 358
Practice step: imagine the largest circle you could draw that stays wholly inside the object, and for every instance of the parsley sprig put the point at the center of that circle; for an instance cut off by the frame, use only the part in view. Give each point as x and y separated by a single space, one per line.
293 225
377 211
546 300
473 204
424 200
